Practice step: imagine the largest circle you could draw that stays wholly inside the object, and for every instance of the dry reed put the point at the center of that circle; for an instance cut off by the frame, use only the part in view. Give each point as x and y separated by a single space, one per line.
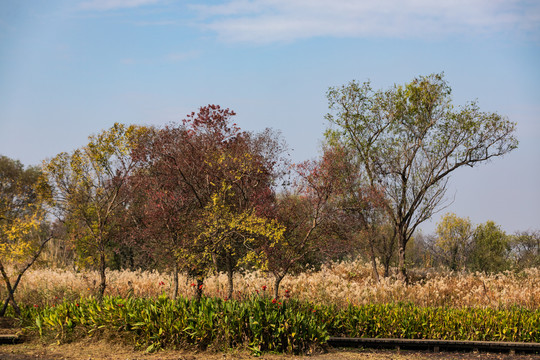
338 283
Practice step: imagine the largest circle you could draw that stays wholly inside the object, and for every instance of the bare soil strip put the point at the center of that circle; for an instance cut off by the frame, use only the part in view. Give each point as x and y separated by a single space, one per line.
103 350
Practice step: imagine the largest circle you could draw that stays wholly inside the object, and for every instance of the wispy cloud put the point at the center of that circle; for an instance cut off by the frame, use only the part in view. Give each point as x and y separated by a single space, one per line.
104 5
263 21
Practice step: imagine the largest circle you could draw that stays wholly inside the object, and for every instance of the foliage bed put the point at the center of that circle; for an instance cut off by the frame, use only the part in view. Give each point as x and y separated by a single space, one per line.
262 324
259 323
408 321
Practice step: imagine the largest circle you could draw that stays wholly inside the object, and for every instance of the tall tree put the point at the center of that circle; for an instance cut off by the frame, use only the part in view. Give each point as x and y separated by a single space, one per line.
312 223
409 139
24 230
198 177
88 190
357 206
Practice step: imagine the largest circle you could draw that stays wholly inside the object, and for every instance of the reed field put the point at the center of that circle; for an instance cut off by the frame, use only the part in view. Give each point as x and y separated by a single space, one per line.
340 299
340 283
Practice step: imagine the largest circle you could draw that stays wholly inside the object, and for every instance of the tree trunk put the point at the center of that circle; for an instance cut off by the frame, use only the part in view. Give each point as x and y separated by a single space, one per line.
454 260
102 276
402 243
386 268
277 281
199 289
11 289
373 258
10 294
230 285
175 280
389 251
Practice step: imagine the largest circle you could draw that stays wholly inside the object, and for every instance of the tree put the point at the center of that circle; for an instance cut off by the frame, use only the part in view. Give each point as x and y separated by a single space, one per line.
526 249
491 248
301 212
24 230
196 179
89 190
233 235
454 240
313 225
357 207
409 139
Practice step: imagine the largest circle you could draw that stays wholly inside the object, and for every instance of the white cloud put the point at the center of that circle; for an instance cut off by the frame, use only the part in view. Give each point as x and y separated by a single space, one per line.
104 5
263 21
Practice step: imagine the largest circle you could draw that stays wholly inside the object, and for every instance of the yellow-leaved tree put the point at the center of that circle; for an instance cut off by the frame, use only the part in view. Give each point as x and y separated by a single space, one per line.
234 235
24 230
89 190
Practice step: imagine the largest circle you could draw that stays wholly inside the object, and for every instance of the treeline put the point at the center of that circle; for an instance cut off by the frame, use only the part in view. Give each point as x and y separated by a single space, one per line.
202 195
459 245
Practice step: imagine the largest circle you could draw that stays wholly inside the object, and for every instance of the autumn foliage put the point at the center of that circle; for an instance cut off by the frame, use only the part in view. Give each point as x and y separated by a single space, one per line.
201 198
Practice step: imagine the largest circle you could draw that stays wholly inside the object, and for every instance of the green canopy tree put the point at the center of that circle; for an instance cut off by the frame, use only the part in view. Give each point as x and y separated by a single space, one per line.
491 248
409 139
454 240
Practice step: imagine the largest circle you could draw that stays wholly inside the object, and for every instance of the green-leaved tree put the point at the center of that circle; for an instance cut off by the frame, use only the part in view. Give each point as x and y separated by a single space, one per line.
409 139
491 248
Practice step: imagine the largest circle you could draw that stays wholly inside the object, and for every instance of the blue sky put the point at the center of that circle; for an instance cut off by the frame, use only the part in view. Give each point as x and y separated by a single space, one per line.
69 69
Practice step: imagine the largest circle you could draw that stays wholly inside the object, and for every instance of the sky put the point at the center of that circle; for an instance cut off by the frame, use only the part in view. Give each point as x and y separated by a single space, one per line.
69 69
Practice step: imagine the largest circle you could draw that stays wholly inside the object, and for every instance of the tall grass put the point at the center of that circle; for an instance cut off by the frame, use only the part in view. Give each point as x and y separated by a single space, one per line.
340 283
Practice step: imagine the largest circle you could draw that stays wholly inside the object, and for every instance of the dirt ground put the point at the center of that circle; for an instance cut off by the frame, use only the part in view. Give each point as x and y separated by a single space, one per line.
102 350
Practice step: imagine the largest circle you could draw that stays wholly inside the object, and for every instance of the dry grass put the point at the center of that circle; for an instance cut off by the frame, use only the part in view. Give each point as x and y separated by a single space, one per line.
101 350
339 283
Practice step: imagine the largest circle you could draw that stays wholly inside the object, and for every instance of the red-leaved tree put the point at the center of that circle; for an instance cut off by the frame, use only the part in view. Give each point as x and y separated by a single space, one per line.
182 171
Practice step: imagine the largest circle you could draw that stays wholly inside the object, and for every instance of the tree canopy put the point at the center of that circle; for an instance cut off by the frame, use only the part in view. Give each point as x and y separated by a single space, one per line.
409 139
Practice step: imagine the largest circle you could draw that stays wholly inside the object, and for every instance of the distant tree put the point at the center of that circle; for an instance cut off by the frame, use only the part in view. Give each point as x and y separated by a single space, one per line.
381 239
409 139
490 249
24 230
89 190
526 249
454 240
60 252
420 252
